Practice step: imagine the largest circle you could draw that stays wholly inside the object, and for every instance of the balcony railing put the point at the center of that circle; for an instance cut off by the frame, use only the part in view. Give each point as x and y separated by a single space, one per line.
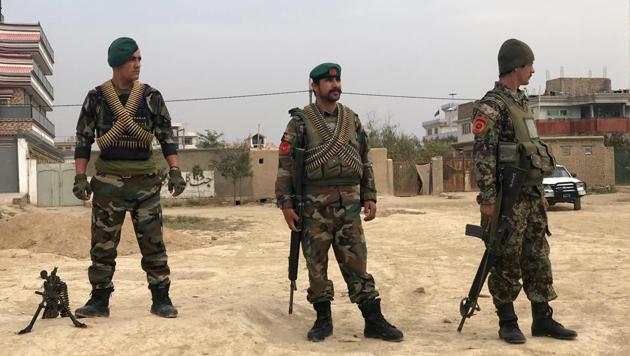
42 79
26 113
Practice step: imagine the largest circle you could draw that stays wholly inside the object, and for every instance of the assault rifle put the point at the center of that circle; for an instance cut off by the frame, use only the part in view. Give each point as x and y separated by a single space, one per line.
511 180
298 206
55 301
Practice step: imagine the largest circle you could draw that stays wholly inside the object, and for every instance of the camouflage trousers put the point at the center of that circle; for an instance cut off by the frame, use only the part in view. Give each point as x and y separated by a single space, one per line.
332 217
526 257
113 197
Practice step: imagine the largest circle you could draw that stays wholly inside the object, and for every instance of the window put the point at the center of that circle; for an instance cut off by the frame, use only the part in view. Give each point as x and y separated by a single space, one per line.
188 141
588 150
552 112
566 150
466 128
564 113
261 161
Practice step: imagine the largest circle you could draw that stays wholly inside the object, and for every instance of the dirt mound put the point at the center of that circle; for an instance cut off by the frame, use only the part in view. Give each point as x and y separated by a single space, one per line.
40 230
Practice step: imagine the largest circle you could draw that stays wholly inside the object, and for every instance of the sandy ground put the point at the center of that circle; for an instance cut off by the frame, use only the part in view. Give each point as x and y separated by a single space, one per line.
231 288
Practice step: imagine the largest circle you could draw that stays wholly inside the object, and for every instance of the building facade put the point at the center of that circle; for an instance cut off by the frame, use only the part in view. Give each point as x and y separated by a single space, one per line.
444 127
26 95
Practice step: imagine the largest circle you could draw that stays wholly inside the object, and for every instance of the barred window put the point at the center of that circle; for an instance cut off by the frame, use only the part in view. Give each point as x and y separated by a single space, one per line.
588 150
566 150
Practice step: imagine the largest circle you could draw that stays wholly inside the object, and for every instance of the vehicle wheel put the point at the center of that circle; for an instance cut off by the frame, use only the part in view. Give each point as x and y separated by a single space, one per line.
577 205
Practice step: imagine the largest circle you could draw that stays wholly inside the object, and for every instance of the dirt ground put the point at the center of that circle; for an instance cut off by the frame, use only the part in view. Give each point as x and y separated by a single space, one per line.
230 283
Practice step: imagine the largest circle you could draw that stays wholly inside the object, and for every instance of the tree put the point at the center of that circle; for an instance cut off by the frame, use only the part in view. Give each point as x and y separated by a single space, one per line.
402 146
211 139
234 163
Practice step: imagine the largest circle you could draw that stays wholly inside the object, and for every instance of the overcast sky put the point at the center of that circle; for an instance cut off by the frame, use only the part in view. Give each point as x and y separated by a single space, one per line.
195 49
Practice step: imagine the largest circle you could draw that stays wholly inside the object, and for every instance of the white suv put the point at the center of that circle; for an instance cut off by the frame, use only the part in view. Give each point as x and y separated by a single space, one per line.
563 187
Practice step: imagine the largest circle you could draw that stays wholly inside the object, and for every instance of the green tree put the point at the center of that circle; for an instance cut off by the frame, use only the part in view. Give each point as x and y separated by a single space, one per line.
211 139
402 146
234 163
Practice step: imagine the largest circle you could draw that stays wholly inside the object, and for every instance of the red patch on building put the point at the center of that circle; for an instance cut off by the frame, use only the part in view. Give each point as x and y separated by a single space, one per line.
479 124
284 148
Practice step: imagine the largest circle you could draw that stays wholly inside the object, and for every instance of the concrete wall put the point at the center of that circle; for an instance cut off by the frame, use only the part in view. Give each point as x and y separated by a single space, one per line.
378 157
264 171
596 169
437 175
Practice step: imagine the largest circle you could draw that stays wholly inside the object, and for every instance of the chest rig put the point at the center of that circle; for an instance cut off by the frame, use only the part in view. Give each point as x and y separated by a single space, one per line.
332 153
124 126
527 144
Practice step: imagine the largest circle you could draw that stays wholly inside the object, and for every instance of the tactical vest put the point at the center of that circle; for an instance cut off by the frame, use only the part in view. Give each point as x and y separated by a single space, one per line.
539 159
124 128
332 155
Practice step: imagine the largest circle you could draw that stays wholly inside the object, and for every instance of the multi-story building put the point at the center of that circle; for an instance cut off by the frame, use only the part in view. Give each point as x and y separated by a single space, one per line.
26 95
444 127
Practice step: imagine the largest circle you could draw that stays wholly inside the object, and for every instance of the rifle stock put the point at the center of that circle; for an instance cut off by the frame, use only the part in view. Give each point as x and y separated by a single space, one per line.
296 236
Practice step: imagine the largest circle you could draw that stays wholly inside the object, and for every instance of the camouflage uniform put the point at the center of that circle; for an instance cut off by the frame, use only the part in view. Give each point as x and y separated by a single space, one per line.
331 213
526 255
126 180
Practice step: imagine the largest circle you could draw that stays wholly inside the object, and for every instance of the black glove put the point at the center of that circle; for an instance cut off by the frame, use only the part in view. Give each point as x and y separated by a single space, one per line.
176 183
81 188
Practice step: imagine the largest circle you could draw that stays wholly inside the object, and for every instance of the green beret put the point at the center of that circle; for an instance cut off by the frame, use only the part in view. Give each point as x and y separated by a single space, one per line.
120 51
514 54
326 70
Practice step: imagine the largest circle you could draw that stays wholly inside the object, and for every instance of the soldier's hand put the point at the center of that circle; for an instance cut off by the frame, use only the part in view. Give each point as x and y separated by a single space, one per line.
290 217
545 203
81 188
486 211
176 183
369 209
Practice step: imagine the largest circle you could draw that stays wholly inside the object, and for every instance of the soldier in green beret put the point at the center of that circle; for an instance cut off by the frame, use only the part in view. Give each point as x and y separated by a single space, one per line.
338 182
503 123
124 116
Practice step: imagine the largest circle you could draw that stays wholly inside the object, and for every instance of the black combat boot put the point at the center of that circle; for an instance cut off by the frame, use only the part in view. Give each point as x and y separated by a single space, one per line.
544 325
97 306
162 305
508 325
375 324
323 326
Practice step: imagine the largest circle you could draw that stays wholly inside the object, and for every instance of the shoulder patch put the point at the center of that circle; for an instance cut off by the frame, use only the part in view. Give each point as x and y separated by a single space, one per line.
480 124
284 148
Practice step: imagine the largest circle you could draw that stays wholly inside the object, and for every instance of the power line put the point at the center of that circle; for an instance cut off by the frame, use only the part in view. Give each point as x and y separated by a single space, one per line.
228 97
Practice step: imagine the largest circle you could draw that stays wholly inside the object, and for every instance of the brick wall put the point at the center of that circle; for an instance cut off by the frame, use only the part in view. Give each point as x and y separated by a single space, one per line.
596 168
11 127
578 86
18 97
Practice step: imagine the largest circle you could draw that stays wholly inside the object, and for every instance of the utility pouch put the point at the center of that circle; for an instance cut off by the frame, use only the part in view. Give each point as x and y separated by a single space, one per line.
508 152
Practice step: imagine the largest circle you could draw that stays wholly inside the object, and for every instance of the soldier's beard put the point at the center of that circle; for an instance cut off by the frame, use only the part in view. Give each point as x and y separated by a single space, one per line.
333 95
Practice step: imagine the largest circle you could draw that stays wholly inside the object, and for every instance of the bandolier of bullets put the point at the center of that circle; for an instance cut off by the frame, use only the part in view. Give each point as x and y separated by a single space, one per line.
125 126
334 143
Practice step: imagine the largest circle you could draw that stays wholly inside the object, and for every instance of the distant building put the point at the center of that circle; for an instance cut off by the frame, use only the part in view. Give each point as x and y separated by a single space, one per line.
186 140
444 127
581 106
26 95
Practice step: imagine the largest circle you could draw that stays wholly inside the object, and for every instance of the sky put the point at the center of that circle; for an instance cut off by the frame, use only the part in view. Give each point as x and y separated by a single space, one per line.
197 49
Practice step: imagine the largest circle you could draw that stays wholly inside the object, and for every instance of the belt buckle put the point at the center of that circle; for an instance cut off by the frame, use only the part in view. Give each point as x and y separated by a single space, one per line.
125 177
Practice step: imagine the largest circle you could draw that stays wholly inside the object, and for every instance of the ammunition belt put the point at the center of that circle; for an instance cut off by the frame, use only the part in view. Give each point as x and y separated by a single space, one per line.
125 126
335 143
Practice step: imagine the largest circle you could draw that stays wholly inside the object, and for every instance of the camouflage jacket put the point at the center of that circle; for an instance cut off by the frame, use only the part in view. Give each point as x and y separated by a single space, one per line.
492 124
294 135
94 118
